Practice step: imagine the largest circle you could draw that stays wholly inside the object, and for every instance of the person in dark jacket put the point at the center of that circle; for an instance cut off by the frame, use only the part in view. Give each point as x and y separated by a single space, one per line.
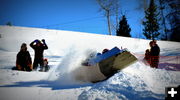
154 52
23 60
39 48
152 55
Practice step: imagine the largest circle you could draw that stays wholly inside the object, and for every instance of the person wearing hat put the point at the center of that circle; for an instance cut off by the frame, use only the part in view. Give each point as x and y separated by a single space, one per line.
23 59
152 55
154 52
46 66
39 47
105 50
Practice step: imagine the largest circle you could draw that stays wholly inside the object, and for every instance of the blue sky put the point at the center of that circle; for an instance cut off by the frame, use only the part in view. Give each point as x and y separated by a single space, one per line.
73 15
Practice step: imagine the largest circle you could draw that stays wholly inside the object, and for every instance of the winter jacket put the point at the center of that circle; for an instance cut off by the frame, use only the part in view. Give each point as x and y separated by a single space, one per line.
39 50
155 50
23 60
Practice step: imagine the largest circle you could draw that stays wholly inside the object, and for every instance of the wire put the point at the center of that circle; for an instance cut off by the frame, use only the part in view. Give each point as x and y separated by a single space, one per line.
70 22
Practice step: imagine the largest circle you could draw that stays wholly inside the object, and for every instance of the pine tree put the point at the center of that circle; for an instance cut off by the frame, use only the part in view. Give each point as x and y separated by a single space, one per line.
9 24
124 29
151 25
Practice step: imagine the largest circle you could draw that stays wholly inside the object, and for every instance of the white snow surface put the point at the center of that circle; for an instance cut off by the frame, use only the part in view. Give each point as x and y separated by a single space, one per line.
66 51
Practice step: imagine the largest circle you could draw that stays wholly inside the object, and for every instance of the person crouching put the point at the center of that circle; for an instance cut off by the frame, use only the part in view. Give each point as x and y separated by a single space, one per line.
23 59
46 66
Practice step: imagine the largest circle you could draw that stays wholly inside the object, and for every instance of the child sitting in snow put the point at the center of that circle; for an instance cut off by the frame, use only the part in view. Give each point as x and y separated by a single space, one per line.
46 66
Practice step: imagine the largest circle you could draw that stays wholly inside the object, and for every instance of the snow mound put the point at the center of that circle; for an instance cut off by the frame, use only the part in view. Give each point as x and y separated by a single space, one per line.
133 83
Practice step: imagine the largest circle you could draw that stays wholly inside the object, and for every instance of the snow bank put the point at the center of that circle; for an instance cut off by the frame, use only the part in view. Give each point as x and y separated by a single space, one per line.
134 83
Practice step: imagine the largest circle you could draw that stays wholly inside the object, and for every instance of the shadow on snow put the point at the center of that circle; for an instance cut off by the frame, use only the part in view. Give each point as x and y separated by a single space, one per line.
46 84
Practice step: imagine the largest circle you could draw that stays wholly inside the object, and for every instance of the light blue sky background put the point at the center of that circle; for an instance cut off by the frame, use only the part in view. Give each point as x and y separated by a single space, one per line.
73 15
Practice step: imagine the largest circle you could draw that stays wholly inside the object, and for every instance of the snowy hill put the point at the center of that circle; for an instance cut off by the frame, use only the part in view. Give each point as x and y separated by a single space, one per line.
66 51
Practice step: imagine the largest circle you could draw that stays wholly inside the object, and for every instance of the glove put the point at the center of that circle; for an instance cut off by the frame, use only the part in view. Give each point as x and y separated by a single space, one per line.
43 40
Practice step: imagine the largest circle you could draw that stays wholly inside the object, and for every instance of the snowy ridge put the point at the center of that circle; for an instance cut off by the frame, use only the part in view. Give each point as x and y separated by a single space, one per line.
133 83
66 52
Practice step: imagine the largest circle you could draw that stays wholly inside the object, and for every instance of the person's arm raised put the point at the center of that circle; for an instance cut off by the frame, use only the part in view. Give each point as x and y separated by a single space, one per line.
44 44
32 44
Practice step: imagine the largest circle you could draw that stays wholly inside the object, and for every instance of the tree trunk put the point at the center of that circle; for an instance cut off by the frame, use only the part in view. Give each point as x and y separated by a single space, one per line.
108 19
163 19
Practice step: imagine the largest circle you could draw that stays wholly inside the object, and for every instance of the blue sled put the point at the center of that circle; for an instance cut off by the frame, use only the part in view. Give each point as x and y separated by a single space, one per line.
114 51
107 64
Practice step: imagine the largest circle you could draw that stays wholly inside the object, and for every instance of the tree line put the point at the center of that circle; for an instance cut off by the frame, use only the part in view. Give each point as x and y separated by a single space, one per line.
161 19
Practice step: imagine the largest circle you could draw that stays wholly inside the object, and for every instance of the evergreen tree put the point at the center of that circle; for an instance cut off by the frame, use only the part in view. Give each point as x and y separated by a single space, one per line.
9 24
124 29
151 25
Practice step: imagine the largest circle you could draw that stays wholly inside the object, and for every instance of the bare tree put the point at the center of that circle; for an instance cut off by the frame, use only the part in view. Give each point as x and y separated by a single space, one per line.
142 4
110 7
174 19
162 7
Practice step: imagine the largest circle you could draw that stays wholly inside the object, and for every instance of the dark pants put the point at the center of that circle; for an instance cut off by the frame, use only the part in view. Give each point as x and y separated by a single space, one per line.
154 61
38 62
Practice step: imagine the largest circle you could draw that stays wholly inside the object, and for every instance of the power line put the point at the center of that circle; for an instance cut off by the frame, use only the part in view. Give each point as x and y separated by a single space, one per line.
75 21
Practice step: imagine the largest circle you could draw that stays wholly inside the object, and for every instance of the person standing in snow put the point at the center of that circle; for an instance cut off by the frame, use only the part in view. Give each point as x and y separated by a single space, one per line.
23 60
154 53
39 48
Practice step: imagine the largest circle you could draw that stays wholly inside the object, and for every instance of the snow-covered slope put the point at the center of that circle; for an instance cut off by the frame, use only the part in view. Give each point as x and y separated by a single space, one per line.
66 51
